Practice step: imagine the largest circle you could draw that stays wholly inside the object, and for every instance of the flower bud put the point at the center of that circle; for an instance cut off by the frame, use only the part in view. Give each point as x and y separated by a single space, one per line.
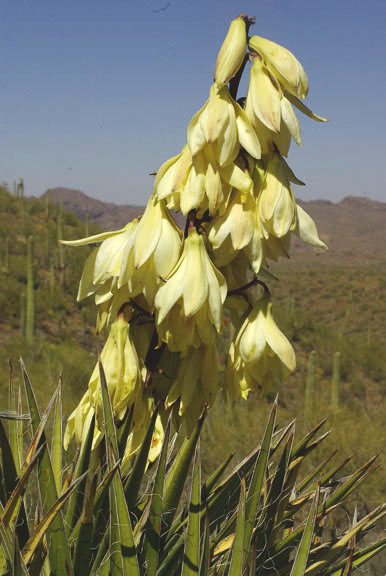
283 64
232 52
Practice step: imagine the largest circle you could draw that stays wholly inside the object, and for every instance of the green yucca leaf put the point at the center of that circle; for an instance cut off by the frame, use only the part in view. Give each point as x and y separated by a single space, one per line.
124 431
100 535
178 472
57 443
6 543
99 512
223 562
123 557
191 561
205 555
214 478
223 496
10 478
236 566
8 467
351 484
102 555
137 471
58 548
256 484
280 435
13 424
266 526
299 448
122 547
108 419
42 528
360 557
331 473
153 533
14 500
301 558
171 559
332 553
18 568
231 484
206 490
82 550
308 479
74 507
349 564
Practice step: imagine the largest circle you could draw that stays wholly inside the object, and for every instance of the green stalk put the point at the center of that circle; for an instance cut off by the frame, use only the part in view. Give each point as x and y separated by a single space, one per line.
52 277
22 314
62 262
30 308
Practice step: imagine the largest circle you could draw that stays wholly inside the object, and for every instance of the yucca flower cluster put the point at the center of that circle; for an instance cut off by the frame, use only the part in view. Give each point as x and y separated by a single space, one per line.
162 292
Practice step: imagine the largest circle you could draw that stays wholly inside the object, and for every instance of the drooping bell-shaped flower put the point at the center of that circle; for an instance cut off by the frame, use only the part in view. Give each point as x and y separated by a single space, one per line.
260 354
103 264
189 304
123 377
282 64
153 252
277 206
223 125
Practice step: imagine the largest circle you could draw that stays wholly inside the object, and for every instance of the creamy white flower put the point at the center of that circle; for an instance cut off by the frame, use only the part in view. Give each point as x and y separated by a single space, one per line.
189 304
260 355
152 253
123 378
277 206
283 64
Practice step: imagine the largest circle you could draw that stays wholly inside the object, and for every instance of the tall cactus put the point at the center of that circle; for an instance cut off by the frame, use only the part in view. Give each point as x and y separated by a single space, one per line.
52 277
47 199
61 252
47 242
20 188
310 387
22 314
30 305
14 188
86 225
335 382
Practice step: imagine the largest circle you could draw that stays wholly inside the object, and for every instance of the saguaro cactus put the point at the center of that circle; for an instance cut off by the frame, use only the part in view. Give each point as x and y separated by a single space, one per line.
52 277
61 252
30 305
335 382
86 225
22 314
47 199
20 188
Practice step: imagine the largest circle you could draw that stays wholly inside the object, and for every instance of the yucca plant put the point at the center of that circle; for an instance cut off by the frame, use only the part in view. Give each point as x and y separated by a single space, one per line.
132 502
264 517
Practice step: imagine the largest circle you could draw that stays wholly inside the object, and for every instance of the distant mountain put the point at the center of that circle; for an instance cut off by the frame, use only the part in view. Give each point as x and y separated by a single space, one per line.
108 215
354 229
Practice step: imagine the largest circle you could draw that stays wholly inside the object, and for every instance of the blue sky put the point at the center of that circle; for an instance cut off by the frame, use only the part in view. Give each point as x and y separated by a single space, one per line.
95 94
